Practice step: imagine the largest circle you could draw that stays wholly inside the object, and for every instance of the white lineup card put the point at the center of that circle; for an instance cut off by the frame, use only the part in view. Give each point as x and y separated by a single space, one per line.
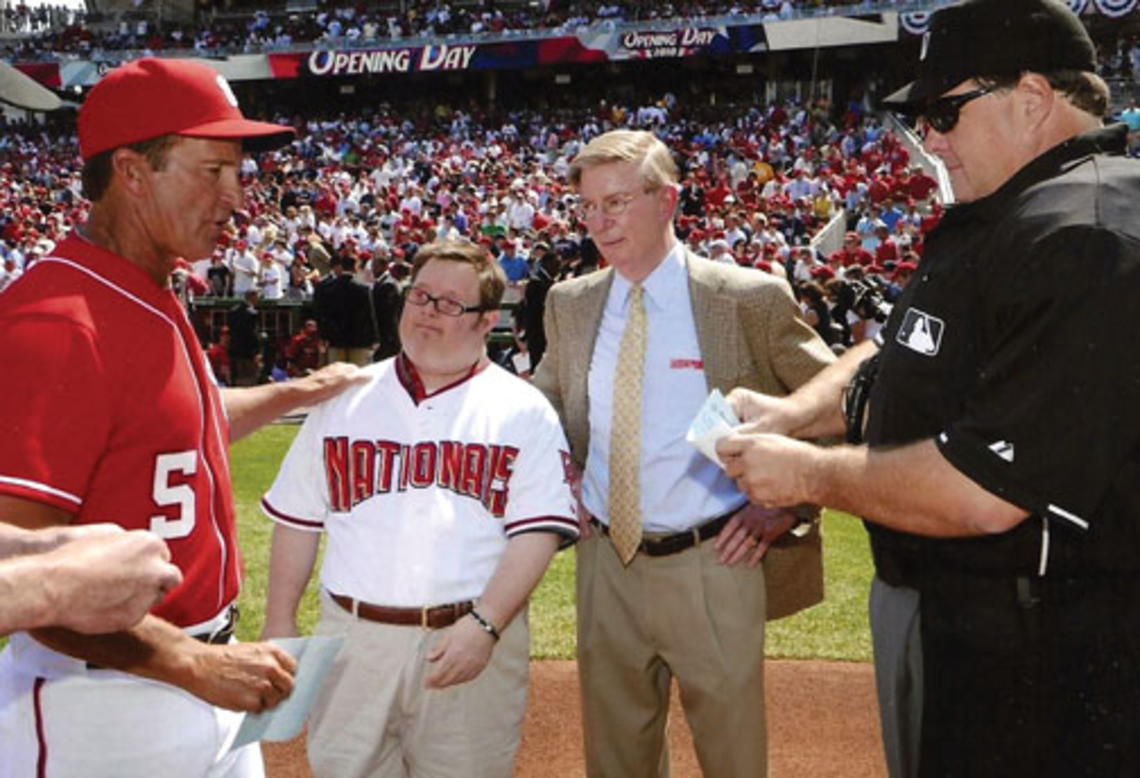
714 420
314 657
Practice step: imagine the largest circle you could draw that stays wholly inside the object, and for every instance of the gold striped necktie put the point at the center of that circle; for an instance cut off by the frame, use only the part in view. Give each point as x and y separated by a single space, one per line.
625 432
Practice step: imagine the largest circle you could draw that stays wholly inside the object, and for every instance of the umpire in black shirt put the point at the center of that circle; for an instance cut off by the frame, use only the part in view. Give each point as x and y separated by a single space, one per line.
1000 476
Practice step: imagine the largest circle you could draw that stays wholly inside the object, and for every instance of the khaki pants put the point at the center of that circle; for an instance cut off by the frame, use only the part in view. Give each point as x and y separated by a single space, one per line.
375 718
684 615
357 356
244 371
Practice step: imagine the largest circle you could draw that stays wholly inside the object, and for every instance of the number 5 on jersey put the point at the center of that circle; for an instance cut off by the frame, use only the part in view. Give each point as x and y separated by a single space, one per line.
181 494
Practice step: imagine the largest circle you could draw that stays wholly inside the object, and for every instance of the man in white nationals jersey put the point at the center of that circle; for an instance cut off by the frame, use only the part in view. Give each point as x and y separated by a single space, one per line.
442 486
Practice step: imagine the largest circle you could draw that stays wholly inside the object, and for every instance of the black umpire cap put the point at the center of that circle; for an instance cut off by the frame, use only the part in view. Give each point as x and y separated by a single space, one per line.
995 38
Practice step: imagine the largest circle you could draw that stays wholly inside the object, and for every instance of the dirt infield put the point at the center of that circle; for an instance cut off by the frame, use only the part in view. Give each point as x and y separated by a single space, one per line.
822 722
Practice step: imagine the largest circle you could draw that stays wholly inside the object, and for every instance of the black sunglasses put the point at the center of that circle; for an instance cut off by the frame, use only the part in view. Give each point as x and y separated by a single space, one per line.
942 114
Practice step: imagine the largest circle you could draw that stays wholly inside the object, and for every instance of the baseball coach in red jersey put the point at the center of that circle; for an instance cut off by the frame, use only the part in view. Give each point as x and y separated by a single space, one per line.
110 413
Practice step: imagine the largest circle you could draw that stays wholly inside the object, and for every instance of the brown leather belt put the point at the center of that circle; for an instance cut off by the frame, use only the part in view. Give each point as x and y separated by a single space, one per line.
428 617
680 541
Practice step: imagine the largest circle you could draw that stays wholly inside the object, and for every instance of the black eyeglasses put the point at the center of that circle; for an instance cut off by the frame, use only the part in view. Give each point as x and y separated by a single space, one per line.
445 305
942 114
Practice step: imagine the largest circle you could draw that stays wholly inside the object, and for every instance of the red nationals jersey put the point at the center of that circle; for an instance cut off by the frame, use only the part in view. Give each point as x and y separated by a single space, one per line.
108 411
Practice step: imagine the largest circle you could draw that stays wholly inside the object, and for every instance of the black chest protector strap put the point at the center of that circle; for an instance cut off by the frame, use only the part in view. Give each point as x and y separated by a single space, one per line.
855 398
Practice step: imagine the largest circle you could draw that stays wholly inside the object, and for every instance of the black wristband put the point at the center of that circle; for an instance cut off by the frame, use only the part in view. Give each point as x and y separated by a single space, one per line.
487 626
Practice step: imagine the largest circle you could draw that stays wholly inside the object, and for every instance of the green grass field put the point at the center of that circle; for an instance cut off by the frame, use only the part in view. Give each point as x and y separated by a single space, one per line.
835 629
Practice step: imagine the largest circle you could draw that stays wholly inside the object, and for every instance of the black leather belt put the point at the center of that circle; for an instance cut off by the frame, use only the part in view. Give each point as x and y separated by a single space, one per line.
223 633
678 542
218 637
895 564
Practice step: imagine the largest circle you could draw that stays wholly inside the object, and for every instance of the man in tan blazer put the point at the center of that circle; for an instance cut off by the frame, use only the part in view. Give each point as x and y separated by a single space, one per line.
632 353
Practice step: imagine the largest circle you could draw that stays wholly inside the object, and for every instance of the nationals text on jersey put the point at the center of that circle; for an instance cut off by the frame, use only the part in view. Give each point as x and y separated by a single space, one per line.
361 469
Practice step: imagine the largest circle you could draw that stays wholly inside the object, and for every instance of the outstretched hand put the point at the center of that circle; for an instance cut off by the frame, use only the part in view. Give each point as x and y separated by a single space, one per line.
330 380
103 579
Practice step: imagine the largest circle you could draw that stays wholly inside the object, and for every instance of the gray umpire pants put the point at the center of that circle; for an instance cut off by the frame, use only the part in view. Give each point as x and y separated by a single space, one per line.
897 642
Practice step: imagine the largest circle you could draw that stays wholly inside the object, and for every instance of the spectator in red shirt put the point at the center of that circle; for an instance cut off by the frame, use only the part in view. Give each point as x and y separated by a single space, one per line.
219 356
879 189
921 185
903 271
303 354
932 219
715 197
852 252
888 249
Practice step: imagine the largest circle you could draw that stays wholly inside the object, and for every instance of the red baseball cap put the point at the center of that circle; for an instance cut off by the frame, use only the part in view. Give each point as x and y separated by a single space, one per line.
152 97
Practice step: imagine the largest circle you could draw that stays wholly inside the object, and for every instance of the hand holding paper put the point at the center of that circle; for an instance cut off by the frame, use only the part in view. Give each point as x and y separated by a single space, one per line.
714 420
314 658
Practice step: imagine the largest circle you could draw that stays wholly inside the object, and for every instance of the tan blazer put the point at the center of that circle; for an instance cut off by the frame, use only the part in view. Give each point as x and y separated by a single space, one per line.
750 334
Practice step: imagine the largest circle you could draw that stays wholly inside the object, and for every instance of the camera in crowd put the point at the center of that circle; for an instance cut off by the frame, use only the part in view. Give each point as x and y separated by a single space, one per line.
868 302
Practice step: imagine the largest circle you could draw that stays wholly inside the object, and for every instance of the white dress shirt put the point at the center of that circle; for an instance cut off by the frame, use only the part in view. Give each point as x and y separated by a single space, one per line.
680 488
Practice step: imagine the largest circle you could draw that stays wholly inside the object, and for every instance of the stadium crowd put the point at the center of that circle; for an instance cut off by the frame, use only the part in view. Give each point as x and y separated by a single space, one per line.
259 27
47 31
364 192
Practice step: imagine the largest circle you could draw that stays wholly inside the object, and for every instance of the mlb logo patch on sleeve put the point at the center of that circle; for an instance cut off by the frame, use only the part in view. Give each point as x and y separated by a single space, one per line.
921 332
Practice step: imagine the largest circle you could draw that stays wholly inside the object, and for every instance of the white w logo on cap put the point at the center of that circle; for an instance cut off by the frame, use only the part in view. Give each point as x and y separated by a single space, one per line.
224 85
